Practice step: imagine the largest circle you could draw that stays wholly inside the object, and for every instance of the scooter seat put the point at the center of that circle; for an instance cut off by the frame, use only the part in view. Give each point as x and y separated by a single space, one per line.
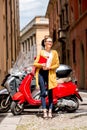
63 80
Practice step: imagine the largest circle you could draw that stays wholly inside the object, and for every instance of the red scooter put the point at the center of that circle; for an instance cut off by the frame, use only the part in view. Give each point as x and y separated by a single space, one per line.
65 96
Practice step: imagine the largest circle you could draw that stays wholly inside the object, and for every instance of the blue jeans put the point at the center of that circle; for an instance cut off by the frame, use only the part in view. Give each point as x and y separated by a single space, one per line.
43 80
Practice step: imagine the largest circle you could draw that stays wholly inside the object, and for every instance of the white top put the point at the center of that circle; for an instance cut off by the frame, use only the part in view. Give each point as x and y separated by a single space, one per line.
49 58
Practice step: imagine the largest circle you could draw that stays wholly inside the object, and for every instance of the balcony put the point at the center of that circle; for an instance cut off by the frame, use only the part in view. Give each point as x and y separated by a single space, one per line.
61 35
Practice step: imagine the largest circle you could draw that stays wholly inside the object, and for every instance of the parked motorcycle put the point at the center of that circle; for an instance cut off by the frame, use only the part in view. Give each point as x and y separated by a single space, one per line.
12 81
5 100
65 95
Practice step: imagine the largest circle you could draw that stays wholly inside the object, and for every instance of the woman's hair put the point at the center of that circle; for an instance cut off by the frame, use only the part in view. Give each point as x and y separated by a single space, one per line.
45 39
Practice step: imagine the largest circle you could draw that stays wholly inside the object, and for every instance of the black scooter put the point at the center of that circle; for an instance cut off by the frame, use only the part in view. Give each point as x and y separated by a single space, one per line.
10 87
11 83
5 99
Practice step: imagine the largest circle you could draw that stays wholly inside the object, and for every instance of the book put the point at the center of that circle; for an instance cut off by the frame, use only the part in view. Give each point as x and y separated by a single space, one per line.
42 60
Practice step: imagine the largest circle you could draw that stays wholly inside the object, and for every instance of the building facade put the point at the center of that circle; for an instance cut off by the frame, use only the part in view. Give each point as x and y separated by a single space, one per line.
52 14
57 12
67 22
9 34
78 40
32 35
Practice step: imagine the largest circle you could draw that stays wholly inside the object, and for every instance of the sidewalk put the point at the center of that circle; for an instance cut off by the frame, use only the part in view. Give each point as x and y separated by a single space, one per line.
9 122
83 93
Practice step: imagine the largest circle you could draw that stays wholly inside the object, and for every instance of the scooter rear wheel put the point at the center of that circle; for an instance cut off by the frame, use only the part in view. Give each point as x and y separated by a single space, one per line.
73 109
16 109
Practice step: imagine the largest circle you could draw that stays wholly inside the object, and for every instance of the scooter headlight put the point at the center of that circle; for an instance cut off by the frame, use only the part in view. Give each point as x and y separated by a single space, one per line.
29 70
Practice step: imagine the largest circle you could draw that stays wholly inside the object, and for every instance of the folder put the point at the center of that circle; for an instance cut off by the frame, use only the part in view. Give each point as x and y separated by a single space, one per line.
42 60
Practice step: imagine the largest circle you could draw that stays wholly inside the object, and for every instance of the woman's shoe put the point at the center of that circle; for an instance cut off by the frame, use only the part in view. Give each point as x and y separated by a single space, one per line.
50 113
45 113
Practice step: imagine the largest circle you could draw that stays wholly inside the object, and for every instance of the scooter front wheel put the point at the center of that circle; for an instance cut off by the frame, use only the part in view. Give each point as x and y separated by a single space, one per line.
5 104
16 108
36 94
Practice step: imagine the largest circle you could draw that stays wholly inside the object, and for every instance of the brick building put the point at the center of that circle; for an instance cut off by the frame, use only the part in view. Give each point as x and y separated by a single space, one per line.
57 12
78 40
67 22
9 34
52 14
32 35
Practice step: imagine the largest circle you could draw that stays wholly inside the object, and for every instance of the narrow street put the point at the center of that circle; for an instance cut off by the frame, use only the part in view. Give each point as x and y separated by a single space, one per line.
25 27
31 119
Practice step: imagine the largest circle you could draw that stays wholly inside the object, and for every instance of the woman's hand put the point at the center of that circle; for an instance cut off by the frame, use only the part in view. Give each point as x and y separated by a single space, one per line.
44 67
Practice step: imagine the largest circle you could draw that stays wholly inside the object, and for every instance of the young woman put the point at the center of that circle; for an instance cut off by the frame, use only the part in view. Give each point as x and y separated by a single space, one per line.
46 73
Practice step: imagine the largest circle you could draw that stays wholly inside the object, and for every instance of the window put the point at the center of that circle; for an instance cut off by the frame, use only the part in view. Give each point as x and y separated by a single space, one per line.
23 46
66 10
60 20
57 7
62 17
28 45
79 6
54 35
86 42
72 15
74 51
68 56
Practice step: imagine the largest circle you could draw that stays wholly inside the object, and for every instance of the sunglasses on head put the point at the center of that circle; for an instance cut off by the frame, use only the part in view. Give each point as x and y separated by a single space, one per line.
48 41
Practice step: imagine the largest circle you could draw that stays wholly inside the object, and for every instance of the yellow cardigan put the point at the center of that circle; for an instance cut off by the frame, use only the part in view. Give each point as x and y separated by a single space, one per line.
52 82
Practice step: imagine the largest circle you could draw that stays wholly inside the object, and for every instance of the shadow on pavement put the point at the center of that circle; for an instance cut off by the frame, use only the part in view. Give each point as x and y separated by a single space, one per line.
37 113
2 116
83 104
79 115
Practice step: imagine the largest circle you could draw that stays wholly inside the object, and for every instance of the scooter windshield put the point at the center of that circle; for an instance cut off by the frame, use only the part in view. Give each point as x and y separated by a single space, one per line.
22 63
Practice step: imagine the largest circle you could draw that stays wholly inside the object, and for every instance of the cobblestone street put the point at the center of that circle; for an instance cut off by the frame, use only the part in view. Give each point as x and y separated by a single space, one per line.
43 64
32 120
59 122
